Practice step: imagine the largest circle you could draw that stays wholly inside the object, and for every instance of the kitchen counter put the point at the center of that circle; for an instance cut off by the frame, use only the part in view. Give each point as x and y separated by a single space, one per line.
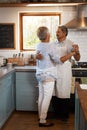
30 68
79 69
5 70
25 68
82 96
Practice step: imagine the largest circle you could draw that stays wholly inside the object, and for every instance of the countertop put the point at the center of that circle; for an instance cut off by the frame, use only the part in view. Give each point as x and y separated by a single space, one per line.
25 68
82 95
5 70
79 69
30 68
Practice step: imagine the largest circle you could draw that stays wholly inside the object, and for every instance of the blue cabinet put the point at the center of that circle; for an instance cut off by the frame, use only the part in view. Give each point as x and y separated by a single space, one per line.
80 121
7 99
26 91
77 111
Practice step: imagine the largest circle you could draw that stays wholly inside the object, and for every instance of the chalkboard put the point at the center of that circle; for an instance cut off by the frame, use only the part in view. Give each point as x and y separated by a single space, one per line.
7 40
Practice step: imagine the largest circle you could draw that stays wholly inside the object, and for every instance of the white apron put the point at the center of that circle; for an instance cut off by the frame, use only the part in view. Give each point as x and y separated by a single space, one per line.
63 84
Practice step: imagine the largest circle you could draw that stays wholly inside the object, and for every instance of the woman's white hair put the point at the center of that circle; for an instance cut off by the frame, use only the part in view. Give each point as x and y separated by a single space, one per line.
42 32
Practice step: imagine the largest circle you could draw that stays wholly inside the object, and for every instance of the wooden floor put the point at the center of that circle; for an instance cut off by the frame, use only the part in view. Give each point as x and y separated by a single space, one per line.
29 121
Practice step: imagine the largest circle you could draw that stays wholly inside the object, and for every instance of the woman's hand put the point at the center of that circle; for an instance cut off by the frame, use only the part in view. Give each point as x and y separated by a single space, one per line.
75 48
39 56
77 53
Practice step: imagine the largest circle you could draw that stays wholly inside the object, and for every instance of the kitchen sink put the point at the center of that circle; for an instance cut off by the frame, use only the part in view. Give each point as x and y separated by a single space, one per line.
83 86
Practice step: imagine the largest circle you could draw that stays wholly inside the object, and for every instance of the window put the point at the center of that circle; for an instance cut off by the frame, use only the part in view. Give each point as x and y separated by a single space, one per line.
29 22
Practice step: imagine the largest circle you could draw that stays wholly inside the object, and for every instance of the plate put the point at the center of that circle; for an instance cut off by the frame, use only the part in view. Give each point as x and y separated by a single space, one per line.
83 86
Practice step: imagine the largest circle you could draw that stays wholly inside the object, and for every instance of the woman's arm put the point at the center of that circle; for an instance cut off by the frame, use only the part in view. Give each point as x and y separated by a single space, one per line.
77 53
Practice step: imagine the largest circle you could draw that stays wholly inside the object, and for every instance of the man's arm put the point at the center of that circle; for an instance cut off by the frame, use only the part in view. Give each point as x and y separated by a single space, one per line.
67 56
62 59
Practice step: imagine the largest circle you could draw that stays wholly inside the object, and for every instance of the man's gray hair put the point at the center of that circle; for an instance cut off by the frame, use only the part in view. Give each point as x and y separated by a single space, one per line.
64 29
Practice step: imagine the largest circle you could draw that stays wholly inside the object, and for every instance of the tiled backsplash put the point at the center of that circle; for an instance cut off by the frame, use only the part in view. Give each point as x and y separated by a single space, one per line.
80 37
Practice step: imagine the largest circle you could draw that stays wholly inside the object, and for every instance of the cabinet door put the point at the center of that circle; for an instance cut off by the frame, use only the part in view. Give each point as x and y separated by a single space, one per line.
9 95
2 104
76 111
26 91
6 98
82 122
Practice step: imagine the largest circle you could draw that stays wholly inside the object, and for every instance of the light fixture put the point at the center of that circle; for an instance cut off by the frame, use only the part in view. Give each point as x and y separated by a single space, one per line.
52 4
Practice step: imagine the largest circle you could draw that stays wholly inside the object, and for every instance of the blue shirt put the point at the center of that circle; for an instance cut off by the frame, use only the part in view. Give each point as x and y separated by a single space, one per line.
46 68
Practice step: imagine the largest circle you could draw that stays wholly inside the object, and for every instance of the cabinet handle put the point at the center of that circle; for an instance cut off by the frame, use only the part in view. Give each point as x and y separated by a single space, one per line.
36 101
36 86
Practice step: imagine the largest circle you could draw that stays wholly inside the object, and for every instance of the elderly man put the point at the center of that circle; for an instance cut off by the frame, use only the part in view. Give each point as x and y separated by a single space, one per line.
63 85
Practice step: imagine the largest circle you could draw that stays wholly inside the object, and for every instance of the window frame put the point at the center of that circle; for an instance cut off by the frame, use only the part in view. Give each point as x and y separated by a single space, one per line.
33 14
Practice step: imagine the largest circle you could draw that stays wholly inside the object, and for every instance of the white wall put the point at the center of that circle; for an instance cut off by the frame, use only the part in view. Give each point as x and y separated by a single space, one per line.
11 15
